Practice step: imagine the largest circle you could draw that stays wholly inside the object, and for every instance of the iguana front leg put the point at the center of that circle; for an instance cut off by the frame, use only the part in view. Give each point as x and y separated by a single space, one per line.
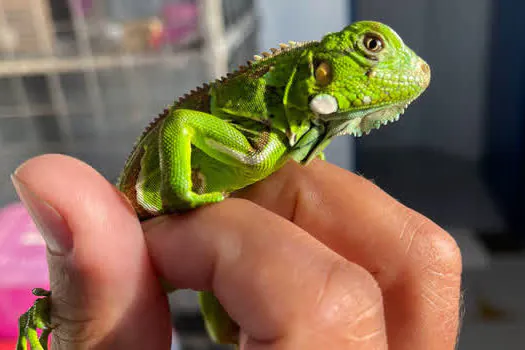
308 146
37 317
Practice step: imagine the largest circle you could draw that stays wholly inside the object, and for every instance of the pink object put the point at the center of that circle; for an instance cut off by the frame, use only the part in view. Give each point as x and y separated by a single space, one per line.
7 344
180 21
23 266
82 7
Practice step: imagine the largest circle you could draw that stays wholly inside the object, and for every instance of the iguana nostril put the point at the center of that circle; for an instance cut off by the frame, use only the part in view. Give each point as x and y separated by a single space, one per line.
425 68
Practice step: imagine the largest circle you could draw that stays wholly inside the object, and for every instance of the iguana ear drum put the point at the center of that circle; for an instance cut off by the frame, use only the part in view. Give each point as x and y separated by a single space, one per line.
323 74
323 104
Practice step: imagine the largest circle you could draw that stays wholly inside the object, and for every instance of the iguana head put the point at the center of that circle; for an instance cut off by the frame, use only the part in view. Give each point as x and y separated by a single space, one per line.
364 77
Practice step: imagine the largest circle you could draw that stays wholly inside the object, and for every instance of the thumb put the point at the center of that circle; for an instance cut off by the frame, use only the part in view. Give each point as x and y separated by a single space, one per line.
104 291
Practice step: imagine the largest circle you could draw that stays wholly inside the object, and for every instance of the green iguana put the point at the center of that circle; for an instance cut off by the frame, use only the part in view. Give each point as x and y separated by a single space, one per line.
285 105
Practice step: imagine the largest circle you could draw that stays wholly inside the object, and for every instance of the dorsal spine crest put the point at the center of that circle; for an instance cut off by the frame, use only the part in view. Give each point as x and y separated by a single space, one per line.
204 88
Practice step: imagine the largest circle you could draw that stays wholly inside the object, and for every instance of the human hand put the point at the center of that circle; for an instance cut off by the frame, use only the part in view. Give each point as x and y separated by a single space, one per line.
319 258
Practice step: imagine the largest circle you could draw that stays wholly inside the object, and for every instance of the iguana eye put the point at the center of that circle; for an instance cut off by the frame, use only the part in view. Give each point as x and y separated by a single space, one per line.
373 43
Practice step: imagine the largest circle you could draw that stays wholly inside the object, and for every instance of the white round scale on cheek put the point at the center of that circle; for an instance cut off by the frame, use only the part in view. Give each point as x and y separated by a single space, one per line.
324 104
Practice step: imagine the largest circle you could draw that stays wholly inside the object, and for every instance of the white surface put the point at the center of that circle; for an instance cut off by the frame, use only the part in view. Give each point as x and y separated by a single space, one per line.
299 20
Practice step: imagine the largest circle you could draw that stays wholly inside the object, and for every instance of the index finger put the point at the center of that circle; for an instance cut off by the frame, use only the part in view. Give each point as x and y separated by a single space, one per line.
416 263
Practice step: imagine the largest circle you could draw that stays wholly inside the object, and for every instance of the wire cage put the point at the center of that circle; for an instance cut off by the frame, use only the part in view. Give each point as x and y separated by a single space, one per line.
83 77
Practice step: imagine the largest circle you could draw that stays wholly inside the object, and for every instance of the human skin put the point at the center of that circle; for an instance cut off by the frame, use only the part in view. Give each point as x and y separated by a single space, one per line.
312 257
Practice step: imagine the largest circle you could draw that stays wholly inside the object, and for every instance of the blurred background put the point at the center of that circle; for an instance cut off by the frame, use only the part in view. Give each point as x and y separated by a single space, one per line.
83 77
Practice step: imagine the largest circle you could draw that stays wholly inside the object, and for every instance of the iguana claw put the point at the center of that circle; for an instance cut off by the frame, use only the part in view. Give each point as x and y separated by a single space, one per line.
36 318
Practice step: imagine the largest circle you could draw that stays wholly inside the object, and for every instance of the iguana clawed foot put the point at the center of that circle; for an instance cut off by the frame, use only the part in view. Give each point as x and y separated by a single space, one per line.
36 318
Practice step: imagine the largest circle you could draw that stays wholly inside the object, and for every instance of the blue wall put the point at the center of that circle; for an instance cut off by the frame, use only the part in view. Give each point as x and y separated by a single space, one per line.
505 147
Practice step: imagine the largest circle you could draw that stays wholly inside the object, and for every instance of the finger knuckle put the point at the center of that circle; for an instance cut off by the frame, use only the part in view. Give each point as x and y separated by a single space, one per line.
363 280
70 324
433 245
348 293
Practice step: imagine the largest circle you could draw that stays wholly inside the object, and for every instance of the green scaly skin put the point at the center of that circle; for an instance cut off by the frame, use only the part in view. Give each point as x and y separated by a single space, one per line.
236 131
